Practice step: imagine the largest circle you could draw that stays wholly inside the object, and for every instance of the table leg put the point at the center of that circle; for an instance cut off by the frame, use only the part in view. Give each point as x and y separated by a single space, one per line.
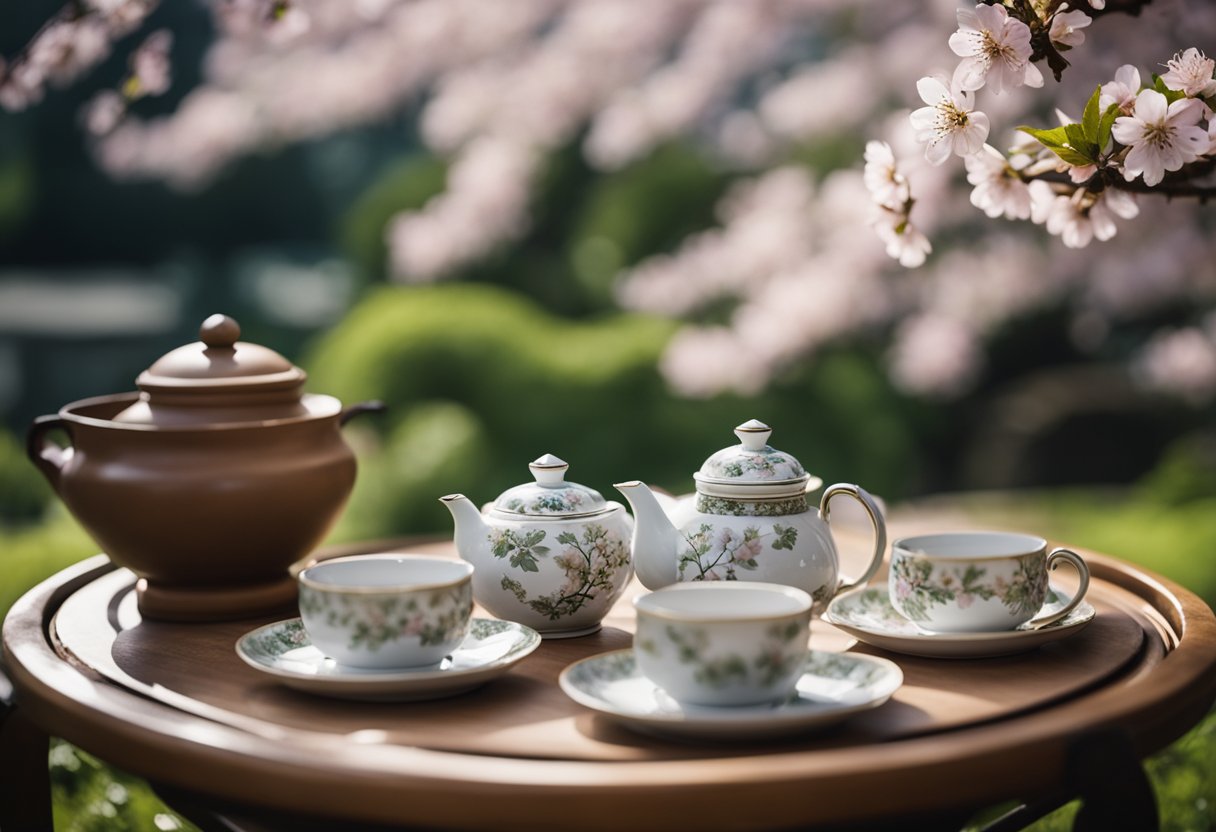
25 781
1114 790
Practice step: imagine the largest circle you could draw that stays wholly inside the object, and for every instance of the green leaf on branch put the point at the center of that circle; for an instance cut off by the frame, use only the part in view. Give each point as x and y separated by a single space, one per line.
1091 119
1105 125
1080 142
1062 143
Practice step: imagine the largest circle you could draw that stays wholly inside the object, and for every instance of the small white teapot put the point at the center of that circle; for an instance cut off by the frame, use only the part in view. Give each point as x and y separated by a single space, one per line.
550 554
750 521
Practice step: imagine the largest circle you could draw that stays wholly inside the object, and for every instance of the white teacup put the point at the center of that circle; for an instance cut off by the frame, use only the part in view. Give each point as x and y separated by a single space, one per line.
728 643
956 582
387 611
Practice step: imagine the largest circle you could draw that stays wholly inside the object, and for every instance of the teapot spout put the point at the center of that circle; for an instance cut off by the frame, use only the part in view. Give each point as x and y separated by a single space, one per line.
471 529
655 539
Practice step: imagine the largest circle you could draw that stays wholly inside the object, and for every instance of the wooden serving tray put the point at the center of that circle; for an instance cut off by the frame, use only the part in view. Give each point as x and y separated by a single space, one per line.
194 668
174 703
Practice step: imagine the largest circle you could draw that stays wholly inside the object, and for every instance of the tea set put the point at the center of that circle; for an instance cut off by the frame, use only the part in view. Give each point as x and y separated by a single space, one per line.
736 571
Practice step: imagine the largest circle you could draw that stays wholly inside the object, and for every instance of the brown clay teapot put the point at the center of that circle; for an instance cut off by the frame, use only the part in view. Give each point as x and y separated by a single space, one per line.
211 481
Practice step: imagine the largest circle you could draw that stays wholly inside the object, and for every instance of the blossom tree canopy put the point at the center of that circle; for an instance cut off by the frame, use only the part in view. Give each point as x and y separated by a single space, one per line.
801 253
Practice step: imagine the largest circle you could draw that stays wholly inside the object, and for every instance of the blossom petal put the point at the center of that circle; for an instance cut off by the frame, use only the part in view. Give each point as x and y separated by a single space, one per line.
1150 107
1127 130
1128 76
1185 111
938 150
924 118
1034 78
932 90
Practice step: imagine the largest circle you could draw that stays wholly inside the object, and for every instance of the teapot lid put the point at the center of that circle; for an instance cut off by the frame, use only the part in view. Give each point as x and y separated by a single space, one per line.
550 495
218 361
752 469
217 379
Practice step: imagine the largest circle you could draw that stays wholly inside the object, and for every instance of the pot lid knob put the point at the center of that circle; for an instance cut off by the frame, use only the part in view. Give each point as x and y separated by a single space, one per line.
219 332
549 470
754 434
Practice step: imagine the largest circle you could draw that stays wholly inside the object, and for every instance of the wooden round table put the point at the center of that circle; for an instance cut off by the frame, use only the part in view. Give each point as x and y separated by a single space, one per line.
173 703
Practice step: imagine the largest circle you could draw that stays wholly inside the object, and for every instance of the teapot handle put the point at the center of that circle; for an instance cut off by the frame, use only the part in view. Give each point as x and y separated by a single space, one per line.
373 406
880 529
47 456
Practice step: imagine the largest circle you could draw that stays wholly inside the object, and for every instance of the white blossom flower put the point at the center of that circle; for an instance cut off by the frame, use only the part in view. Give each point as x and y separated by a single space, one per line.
103 112
1161 136
998 189
904 241
1070 221
995 49
150 64
1181 362
1109 204
1065 27
1042 201
883 180
948 125
935 355
1122 91
1191 72
1085 216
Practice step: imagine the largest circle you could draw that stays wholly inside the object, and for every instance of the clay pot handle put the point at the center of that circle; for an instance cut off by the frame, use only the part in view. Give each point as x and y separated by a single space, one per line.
47 456
354 410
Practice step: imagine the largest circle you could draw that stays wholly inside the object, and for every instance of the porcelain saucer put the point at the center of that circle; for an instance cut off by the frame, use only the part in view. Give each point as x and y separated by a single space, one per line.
867 615
835 686
283 650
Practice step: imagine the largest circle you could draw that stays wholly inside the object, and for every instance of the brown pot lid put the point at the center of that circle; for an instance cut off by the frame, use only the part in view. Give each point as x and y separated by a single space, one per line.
219 363
217 380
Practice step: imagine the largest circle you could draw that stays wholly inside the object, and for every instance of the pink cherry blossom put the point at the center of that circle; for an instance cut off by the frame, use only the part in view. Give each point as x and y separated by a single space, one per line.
948 125
995 49
1162 136
1066 26
1191 72
884 181
999 191
1123 90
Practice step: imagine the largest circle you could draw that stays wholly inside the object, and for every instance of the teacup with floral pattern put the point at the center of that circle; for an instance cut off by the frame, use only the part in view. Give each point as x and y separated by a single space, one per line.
724 643
387 610
956 582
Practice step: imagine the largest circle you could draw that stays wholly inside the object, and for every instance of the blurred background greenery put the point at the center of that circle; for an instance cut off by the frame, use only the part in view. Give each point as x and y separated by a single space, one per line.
523 353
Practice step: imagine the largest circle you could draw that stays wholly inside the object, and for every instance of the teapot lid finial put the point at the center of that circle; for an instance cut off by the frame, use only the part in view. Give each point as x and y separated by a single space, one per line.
550 495
219 332
549 470
753 434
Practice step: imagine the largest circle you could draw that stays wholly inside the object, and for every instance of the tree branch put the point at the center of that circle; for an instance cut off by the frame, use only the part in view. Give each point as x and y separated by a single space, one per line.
1181 183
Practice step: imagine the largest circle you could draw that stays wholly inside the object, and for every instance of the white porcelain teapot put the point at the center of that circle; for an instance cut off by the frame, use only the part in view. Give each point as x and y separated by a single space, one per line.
550 554
750 521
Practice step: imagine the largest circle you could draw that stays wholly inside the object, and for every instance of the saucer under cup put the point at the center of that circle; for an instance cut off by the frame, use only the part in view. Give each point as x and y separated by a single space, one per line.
723 644
976 582
387 611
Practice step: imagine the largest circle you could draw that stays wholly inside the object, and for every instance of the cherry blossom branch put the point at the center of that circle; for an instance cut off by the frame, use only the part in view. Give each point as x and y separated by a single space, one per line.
1180 183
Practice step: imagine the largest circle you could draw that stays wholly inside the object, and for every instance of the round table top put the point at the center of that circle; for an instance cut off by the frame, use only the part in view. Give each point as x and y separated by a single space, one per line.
174 703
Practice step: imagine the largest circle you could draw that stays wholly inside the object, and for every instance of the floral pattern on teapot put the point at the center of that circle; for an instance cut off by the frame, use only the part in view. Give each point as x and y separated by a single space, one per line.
592 564
718 554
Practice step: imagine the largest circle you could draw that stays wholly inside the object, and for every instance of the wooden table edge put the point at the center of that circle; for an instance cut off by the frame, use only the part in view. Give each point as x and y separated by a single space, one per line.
153 740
